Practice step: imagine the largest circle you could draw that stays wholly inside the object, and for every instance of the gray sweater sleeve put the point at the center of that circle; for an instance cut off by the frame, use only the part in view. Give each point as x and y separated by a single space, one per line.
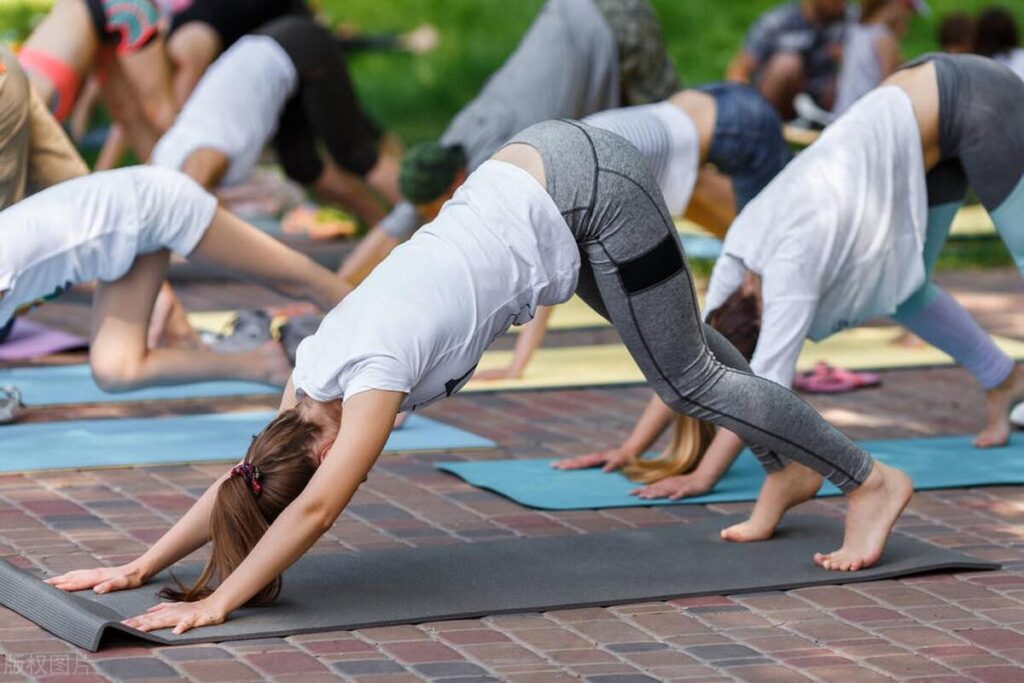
402 222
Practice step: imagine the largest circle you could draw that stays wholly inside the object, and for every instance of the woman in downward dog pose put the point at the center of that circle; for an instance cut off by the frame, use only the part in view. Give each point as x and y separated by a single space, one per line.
287 83
119 227
891 175
563 207
728 125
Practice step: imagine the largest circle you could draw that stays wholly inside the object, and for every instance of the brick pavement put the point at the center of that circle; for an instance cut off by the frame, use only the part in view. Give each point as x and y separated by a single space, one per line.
935 628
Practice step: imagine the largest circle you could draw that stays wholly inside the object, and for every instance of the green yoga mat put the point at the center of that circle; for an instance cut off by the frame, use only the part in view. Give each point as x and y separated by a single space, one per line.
933 463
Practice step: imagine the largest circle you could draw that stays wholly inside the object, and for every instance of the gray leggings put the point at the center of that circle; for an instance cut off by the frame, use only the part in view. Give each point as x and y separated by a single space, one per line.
634 273
981 137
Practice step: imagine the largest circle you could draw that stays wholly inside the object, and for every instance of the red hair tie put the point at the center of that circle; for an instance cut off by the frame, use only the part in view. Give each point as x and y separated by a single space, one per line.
251 474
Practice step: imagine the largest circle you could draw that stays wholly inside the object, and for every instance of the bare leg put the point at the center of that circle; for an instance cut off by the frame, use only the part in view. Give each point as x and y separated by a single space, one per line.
348 190
192 48
67 35
234 245
872 511
998 404
781 80
119 355
782 490
383 177
207 167
169 325
148 74
712 204
371 250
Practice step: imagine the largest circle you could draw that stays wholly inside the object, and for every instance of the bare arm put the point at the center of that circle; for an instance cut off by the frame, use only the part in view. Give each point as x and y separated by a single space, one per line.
889 54
530 338
721 454
652 423
190 533
373 249
741 68
365 425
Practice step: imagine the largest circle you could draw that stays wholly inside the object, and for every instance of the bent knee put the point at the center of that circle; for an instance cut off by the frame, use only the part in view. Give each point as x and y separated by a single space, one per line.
115 374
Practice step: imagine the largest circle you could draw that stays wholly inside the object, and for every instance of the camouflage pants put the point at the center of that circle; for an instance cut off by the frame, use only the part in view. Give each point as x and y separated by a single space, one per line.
646 71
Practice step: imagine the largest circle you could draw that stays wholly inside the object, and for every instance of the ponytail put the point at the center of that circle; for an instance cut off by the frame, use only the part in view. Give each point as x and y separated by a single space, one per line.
690 441
279 464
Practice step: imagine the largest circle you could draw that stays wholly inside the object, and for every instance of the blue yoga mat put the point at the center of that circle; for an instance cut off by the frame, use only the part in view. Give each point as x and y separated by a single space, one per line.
701 247
66 384
193 438
933 463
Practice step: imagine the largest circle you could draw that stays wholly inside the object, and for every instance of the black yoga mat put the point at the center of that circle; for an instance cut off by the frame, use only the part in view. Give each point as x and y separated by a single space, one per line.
414 585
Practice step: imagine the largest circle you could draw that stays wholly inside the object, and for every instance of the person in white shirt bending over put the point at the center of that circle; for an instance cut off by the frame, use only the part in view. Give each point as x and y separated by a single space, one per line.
287 83
120 227
563 207
851 230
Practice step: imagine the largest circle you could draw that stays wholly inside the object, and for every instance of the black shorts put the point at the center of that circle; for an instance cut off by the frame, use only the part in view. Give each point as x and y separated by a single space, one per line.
325 109
232 19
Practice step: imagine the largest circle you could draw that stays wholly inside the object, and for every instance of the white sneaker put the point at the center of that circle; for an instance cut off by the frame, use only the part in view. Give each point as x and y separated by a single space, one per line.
1017 416
10 402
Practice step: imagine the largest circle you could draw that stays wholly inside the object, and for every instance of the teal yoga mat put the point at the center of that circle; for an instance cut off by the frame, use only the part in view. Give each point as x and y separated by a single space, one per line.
933 463
193 438
66 384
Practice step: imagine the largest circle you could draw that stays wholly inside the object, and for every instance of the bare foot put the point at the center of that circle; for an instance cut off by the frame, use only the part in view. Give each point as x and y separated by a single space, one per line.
271 363
871 513
790 486
998 403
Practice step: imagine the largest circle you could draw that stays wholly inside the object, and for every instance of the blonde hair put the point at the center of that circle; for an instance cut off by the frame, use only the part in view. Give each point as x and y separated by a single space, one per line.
690 440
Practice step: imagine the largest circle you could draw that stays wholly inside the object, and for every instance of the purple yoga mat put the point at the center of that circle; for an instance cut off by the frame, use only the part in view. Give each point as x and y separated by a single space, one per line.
30 340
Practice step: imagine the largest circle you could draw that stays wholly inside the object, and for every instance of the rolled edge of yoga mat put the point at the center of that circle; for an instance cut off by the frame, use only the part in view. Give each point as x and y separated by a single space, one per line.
67 616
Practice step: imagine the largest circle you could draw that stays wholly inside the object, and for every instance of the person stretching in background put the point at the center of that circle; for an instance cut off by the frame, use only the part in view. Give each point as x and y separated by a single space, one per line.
119 228
288 83
121 39
887 179
34 152
871 51
996 36
956 33
577 58
728 125
563 207
792 49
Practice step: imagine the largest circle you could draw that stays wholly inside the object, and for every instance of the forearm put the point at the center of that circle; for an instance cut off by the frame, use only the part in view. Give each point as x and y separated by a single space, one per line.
373 249
720 456
652 423
740 68
530 338
190 533
366 423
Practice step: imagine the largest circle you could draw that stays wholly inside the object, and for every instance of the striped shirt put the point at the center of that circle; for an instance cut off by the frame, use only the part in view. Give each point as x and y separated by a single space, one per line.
666 138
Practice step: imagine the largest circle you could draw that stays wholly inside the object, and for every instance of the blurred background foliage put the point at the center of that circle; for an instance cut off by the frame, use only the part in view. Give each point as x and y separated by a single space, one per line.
415 96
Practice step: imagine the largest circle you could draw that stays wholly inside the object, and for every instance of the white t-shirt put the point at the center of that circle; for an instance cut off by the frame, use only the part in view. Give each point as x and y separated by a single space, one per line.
837 237
92 228
667 139
234 109
1014 59
421 321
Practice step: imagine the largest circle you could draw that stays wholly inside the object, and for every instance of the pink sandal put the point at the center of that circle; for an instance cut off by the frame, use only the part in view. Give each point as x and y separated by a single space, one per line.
825 379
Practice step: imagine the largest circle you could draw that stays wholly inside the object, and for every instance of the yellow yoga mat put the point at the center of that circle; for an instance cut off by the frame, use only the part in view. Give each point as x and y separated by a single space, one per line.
863 348
972 221
223 322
